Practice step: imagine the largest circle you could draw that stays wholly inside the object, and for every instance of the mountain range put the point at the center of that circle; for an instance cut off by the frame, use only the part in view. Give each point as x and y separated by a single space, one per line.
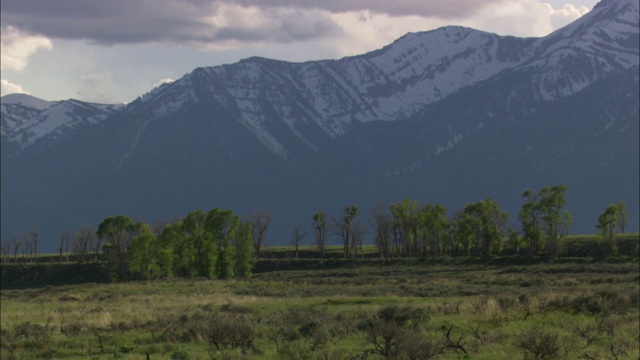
450 116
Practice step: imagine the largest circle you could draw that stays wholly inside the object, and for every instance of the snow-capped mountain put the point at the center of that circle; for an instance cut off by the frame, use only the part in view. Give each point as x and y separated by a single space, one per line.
451 115
602 42
401 79
30 120
389 84
17 109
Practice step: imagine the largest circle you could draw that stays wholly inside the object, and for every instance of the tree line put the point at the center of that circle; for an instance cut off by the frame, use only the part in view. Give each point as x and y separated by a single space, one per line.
406 229
219 244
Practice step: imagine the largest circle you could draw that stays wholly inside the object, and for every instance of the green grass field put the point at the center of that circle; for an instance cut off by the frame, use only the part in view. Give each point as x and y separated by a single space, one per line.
573 309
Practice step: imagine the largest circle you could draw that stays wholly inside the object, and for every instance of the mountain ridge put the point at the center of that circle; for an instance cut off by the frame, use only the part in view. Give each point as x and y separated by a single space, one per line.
388 68
295 138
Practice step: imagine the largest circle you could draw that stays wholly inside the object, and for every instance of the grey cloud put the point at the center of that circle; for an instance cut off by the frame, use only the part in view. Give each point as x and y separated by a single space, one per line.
283 27
177 21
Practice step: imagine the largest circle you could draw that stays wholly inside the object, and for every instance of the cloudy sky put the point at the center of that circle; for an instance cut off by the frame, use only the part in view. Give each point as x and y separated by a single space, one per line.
114 51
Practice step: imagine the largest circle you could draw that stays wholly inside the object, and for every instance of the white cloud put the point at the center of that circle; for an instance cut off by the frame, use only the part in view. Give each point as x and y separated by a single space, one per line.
7 87
163 81
367 31
16 47
525 18
566 15
98 88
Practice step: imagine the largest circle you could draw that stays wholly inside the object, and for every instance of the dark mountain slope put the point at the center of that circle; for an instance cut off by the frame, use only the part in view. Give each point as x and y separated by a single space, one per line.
493 146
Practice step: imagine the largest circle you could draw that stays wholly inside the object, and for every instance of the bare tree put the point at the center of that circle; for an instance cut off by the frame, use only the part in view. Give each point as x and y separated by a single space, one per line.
84 237
260 220
97 245
26 246
34 239
159 226
6 250
320 227
382 222
357 237
349 229
296 238
65 239
16 243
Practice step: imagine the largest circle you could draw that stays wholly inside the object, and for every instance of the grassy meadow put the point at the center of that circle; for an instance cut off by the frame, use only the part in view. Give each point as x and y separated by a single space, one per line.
571 309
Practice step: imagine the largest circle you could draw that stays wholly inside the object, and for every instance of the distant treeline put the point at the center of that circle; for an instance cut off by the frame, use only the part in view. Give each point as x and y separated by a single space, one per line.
218 244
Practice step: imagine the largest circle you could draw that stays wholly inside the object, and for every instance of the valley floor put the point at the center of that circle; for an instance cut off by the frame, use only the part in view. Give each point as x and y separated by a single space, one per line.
570 310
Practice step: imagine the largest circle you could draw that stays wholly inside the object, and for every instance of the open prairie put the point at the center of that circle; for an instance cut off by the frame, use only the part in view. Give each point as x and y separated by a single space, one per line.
452 309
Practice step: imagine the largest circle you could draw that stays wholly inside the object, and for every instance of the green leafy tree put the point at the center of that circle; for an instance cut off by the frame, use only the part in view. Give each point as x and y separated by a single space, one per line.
244 251
118 232
462 230
194 227
530 218
607 224
544 224
514 241
181 249
485 223
622 216
405 215
433 225
222 226
150 255
555 221
142 254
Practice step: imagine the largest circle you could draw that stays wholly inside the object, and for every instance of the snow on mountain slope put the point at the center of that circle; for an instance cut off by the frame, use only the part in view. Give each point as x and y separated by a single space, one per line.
57 120
17 109
388 84
602 42
428 66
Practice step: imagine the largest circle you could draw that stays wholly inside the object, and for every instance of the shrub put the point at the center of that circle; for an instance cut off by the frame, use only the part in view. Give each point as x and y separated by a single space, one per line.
180 355
294 350
391 325
587 303
505 303
542 345
417 346
230 332
73 329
